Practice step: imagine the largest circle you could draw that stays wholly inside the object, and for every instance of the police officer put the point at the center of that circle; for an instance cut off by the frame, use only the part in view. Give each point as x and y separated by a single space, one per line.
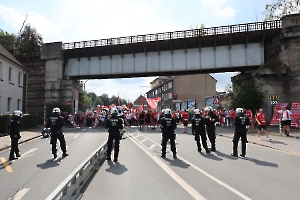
240 123
168 125
14 133
198 129
55 123
114 125
210 120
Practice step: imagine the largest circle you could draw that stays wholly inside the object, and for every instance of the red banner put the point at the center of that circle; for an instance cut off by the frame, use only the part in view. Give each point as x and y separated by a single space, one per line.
295 109
153 102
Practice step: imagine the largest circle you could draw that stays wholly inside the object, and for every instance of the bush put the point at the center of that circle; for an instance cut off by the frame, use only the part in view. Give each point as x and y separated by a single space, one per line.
28 121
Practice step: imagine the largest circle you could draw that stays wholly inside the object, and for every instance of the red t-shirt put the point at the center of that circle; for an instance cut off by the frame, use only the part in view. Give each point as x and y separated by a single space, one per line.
249 114
185 117
232 114
261 119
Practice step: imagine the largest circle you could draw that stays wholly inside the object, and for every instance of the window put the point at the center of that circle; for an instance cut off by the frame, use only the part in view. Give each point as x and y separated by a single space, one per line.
20 78
170 95
10 75
19 104
9 104
1 71
169 85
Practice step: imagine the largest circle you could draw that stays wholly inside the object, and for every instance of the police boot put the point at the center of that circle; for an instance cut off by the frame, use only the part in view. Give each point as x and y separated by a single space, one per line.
54 155
213 147
65 154
234 150
116 158
12 157
108 157
243 150
18 154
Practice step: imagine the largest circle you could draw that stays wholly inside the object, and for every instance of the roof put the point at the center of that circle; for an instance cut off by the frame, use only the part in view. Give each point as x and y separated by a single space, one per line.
7 55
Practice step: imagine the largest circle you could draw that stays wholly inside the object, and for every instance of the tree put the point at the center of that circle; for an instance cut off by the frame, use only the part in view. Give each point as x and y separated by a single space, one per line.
281 8
246 95
29 41
8 41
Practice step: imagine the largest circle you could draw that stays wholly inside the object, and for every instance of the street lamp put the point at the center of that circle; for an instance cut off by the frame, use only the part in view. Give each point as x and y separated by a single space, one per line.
84 84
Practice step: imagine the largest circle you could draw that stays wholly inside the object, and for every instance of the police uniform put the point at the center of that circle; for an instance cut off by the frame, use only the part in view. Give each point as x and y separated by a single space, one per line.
210 120
14 133
168 125
114 125
240 123
198 129
55 123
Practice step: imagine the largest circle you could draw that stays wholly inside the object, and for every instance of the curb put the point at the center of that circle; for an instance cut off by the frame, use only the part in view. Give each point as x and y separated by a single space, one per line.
8 147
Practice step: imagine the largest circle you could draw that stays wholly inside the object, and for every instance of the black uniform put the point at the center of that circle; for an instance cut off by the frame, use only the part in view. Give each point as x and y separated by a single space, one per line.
240 123
210 120
55 123
14 133
198 129
168 125
114 125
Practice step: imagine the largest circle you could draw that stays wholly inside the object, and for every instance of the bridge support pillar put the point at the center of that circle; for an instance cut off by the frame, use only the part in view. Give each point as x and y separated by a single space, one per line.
58 89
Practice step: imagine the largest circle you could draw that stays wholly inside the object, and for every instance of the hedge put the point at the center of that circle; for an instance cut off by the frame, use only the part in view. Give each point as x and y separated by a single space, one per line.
28 121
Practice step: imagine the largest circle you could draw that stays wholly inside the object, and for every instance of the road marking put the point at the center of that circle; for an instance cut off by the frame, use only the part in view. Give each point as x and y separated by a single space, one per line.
152 146
20 194
144 140
83 129
76 136
5 163
30 151
216 180
194 193
209 176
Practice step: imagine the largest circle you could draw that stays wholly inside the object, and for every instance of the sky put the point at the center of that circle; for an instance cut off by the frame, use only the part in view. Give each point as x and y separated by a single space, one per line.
81 20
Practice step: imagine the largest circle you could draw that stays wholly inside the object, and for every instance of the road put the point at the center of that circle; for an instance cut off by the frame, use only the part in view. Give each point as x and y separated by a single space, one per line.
141 173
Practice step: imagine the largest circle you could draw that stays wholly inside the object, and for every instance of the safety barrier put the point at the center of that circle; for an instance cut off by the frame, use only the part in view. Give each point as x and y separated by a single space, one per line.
70 188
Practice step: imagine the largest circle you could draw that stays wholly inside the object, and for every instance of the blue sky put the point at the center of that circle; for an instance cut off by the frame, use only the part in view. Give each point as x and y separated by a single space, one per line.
79 20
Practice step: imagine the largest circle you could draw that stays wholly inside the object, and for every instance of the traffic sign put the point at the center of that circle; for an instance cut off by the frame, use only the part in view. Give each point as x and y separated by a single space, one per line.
273 99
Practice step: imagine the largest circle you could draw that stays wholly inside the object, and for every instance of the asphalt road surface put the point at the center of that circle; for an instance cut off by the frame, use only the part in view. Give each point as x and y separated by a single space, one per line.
141 173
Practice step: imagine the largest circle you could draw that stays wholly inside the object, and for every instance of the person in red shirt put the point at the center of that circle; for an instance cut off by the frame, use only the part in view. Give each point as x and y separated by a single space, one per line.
261 124
232 116
249 114
185 120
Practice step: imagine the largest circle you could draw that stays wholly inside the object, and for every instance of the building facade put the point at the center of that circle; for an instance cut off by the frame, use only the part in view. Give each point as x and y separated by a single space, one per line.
181 89
13 83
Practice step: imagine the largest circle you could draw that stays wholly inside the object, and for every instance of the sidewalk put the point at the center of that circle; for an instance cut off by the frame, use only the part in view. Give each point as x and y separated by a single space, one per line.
26 135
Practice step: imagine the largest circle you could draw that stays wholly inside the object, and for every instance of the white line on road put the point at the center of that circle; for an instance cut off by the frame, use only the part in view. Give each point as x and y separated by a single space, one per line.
194 193
152 146
144 140
210 176
76 136
30 151
20 194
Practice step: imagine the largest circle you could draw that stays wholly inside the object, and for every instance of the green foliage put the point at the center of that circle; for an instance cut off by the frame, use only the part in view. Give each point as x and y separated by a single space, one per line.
246 96
8 41
280 8
29 41
28 121
4 122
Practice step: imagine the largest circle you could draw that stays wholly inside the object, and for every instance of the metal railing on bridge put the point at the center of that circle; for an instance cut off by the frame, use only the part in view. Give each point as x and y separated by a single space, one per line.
239 28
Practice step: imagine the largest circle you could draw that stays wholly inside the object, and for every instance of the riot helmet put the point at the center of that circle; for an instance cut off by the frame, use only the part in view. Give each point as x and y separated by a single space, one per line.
114 111
168 112
17 113
56 111
197 112
239 111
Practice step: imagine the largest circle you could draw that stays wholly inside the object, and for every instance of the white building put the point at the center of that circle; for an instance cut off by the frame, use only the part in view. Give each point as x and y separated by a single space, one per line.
12 83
